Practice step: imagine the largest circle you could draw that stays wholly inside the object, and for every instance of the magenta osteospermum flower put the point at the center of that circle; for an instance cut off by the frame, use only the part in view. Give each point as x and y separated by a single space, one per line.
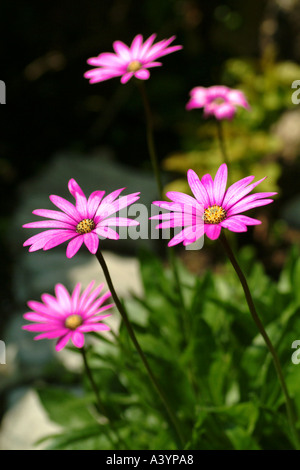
68 316
130 61
212 207
218 101
84 222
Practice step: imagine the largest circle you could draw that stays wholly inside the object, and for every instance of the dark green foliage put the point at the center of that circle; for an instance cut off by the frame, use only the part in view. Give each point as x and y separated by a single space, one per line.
208 357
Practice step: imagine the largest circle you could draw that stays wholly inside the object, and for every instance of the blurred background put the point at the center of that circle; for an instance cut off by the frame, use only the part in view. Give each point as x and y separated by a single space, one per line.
55 126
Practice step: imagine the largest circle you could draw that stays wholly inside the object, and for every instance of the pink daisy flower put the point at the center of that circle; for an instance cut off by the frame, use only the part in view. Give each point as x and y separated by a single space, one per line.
130 61
82 223
218 101
68 317
212 207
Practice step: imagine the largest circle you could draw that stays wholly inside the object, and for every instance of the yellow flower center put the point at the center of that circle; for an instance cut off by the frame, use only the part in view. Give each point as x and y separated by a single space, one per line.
219 100
134 66
73 321
214 215
85 226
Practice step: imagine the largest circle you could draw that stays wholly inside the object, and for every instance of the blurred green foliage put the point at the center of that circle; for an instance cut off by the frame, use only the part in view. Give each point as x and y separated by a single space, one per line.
208 357
252 145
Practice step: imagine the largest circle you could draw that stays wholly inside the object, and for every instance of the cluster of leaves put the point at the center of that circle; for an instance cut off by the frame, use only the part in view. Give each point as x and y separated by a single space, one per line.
267 86
205 351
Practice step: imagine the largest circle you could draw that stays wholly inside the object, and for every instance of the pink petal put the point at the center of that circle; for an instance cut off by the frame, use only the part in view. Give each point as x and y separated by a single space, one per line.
241 194
106 59
136 47
168 50
41 318
50 214
66 207
99 75
147 44
153 64
122 50
251 205
212 231
160 49
249 202
63 297
96 317
118 222
208 184
197 188
52 304
234 225
52 334
91 317
73 246
93 296
111 196
47 234
96 304
217 91
220 182
91 241
225 111
188 235
61 343
179 220
75 297
198 98
93 203
235 189
85 295
246 220
94 327
107 232
38 245
77 339
38 307
48 224
171 206
142 74
59 239
109 209
78 194
40 327
126 77
182 198
237 97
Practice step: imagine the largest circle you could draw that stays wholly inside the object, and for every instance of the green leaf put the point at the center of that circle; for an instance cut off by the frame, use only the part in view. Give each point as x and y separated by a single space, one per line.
65 408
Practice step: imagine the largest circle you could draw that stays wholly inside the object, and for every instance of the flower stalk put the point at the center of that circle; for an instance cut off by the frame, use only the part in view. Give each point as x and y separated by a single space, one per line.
288 402
100 407
123 313
89 374
221 140
150 139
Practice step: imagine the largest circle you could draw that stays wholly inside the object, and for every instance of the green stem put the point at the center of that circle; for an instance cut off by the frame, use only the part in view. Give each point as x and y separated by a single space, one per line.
221 140
150 139
131 333
288 402
185 316
100 407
